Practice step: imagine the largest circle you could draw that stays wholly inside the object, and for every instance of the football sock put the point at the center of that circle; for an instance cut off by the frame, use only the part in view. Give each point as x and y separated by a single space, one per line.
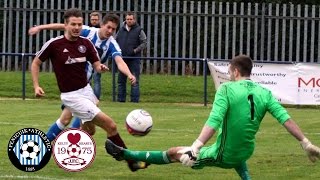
116 139
243 172
54 130
151 157
76 122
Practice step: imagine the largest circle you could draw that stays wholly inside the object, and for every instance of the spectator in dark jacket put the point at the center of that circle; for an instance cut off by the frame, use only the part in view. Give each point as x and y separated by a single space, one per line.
132 40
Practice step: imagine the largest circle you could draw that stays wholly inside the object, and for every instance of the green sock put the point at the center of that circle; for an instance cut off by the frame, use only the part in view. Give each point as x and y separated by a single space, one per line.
152 157
243 172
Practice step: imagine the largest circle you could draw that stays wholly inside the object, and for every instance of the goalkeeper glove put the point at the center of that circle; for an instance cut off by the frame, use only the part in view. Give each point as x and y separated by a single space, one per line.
190 154
313 152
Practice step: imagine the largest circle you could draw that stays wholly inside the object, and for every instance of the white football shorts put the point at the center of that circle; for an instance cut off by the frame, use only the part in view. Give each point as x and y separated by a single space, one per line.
81 103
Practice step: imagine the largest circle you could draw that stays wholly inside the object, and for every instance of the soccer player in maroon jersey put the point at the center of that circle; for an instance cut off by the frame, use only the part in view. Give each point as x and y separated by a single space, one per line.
69 54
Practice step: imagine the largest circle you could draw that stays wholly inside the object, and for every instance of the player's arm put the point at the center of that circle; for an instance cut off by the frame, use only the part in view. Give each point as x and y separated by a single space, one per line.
35 68
95 61
100 68
312 151
122 66
219 109
282 116
278 112
54 26
206 133
217 114
294 129
190 154
115 52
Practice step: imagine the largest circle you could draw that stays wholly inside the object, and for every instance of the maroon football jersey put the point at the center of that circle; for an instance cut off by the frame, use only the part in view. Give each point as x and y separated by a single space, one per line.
69 61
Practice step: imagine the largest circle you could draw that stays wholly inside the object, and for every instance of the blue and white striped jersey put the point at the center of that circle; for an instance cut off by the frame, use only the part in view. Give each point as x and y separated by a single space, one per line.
105 48
89 70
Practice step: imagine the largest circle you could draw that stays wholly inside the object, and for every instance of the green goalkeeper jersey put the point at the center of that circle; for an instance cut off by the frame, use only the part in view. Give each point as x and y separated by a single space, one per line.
237 112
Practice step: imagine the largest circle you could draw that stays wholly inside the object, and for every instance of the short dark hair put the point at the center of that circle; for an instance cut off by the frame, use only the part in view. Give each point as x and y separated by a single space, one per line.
243 63
95 14
111 17
130 13
72 12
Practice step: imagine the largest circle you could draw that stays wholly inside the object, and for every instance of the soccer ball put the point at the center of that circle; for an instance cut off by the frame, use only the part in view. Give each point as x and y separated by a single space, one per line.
29 149
74 150
139 122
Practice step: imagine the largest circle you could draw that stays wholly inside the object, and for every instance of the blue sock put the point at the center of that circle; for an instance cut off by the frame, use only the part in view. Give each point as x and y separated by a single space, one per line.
76 122
54 130
243 172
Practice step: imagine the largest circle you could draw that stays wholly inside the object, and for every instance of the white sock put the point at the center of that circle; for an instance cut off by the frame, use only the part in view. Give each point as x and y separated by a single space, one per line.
60 125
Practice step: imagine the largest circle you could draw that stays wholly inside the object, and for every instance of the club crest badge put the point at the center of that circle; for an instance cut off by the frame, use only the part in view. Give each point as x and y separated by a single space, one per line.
74 150
29 149
82 49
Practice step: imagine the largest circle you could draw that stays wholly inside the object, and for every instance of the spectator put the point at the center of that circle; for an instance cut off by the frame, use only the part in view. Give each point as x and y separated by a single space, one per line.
95 19
132 40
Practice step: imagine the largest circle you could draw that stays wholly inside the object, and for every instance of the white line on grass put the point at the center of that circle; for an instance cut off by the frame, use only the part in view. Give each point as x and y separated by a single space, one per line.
44 125
38 125
13 99
161 130
30 177
25 125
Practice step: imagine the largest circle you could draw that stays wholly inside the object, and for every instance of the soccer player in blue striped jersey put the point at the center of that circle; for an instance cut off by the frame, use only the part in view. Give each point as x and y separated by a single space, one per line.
238 109
105 44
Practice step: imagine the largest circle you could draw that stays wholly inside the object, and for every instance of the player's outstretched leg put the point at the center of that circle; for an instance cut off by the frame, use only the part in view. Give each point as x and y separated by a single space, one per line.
76 123
150 157
105 122
133 165
243 172
117 153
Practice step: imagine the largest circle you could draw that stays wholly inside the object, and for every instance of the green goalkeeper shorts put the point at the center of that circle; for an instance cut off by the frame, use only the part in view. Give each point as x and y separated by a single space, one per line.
208 157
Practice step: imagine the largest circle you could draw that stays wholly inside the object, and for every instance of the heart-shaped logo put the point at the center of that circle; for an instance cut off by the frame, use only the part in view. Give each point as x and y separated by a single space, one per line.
74 138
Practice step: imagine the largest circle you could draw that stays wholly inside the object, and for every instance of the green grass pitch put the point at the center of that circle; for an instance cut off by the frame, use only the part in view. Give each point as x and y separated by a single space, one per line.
277 154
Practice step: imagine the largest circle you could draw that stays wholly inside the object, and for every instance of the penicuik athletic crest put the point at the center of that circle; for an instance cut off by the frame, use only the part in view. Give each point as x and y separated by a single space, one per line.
74 150
29 149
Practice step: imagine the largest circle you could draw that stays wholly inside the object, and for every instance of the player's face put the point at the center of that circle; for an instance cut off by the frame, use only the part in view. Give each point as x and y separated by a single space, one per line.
108 29
130 21
73 27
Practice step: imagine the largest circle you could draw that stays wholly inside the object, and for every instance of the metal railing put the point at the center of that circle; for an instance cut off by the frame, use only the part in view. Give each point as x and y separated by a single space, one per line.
23 65
23 57
179 28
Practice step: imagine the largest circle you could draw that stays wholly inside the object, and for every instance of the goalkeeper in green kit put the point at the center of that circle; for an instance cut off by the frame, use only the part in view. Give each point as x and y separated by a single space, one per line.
238 109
